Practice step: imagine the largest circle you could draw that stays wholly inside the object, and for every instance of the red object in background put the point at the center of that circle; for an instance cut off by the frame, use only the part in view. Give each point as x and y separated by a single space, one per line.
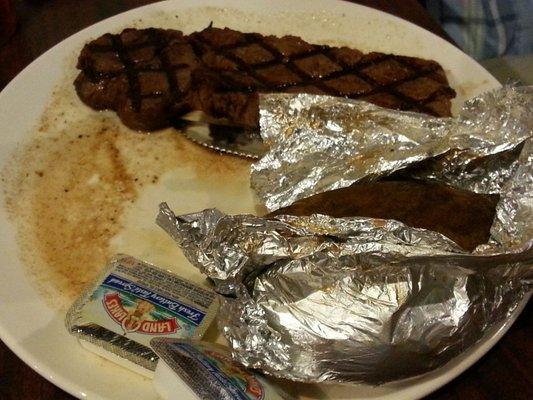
8 20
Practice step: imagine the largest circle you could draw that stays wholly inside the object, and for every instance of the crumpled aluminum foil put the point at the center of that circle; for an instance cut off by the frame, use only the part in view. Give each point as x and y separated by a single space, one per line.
349 299
513 225
322 299
232 248
358 299
360 318
321 143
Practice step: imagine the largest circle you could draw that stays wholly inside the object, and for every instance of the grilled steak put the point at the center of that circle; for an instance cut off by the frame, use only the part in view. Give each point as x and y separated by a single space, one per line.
464 217
137 73
152 76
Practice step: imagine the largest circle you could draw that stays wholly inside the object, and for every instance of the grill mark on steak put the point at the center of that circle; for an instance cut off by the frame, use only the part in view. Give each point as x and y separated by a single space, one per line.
133 79
226 69
174 89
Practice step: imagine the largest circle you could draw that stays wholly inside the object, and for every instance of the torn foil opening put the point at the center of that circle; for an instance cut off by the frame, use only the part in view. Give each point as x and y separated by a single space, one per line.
322 299
321 143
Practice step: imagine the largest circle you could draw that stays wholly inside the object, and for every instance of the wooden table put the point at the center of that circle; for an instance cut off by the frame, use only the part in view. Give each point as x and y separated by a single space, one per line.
504 373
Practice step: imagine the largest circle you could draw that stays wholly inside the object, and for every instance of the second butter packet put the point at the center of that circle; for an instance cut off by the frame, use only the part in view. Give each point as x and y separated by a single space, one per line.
133 301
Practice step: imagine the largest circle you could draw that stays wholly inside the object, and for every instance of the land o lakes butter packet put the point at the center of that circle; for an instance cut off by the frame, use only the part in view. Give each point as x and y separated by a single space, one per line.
192 370
133 301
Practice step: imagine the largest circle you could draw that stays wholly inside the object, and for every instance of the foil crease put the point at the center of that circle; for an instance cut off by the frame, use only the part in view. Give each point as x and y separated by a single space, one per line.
513 228
321 143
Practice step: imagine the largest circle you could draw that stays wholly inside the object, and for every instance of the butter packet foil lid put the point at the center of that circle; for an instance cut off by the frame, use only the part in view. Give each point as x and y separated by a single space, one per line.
191 370
133 301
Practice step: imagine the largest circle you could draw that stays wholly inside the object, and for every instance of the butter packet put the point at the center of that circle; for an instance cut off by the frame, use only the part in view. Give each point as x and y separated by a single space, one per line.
133 301
192 370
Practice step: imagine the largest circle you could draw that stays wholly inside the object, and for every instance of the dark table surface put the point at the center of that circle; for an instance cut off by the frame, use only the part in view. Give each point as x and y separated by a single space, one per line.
504 373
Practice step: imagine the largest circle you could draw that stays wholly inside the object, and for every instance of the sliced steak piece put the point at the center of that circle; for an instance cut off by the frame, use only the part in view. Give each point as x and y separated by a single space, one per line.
464 217
152 76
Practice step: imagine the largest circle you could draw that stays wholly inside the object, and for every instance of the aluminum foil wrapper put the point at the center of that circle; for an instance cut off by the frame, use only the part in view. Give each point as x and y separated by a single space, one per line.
513 225
322 299
354 320
351 299
321 143
230 249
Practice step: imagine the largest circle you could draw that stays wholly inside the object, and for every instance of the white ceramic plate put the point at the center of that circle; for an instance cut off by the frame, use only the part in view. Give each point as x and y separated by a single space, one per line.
35 331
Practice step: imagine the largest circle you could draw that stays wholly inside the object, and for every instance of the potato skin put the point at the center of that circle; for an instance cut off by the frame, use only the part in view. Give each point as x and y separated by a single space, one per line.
463 216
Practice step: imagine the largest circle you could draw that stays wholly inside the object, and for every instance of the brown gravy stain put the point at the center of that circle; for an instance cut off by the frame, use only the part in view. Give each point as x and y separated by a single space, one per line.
72 219
66 191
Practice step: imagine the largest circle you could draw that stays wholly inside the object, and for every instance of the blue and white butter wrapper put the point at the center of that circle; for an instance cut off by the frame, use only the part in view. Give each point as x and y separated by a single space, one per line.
198 370
130 303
